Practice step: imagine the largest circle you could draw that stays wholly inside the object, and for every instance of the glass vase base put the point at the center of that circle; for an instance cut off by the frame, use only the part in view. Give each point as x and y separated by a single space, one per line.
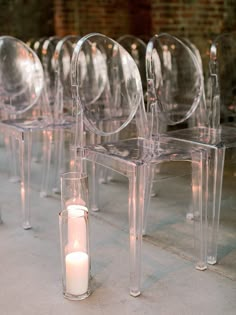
74 297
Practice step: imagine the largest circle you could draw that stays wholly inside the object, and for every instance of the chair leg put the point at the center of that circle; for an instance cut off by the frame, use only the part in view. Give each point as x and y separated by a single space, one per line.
103 175
59 158
136 205
199 206
149 184
94 186
47 151
216 171
10 143
25 163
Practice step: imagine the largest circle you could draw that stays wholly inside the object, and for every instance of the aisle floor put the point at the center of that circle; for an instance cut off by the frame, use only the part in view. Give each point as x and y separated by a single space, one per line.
30 260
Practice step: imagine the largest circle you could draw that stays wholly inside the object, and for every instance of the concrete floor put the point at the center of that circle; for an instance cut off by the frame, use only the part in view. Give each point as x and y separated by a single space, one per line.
30 274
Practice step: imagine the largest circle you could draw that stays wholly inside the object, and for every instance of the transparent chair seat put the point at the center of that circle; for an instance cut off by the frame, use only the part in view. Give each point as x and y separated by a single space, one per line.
223 136
131 150
135 157
25 103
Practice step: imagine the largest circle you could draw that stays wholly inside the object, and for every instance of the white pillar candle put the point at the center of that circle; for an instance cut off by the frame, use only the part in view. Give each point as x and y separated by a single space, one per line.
77 273
77 233
75 201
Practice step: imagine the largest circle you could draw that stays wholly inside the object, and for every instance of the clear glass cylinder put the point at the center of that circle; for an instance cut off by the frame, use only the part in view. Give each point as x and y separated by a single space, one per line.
74 236
74 189
75 257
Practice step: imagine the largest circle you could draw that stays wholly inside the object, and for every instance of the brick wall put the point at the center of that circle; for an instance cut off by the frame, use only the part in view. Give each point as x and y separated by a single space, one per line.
197 19
26 19
105 16
190 18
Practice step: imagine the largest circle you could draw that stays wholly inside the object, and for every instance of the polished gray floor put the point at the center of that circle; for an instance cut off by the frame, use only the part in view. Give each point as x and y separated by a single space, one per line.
30 275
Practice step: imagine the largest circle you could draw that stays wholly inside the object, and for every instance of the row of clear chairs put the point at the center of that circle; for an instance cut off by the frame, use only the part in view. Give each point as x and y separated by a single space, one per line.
36 104
174 91
25 105
108 99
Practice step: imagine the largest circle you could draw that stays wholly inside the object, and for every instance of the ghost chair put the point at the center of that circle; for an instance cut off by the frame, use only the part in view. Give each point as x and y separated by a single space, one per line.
10 143
213 137
222 99
24 100
131 157
223 61
94 77
45 48
63 116
37 46
175 87
199 118
48 49
137 49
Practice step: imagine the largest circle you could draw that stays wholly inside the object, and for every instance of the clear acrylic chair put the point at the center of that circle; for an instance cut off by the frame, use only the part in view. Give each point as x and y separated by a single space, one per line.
199 117
212 140
48 49
223 60
45 48
63 116
222 99
37 46
25 102
133 157
98 114
137 49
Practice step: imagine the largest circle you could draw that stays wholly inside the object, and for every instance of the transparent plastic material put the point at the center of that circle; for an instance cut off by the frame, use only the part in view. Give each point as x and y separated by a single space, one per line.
175 88
222 64
168 63
48 49
210 141
200 116
63 116
61 59
105 110
137 49
221 100
37 47
131 157
24 103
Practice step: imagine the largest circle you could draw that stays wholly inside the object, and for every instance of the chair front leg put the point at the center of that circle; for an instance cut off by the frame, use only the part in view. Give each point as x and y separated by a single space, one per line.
136 208
216 172
150 171
94 186
25 148
47 152
199 205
